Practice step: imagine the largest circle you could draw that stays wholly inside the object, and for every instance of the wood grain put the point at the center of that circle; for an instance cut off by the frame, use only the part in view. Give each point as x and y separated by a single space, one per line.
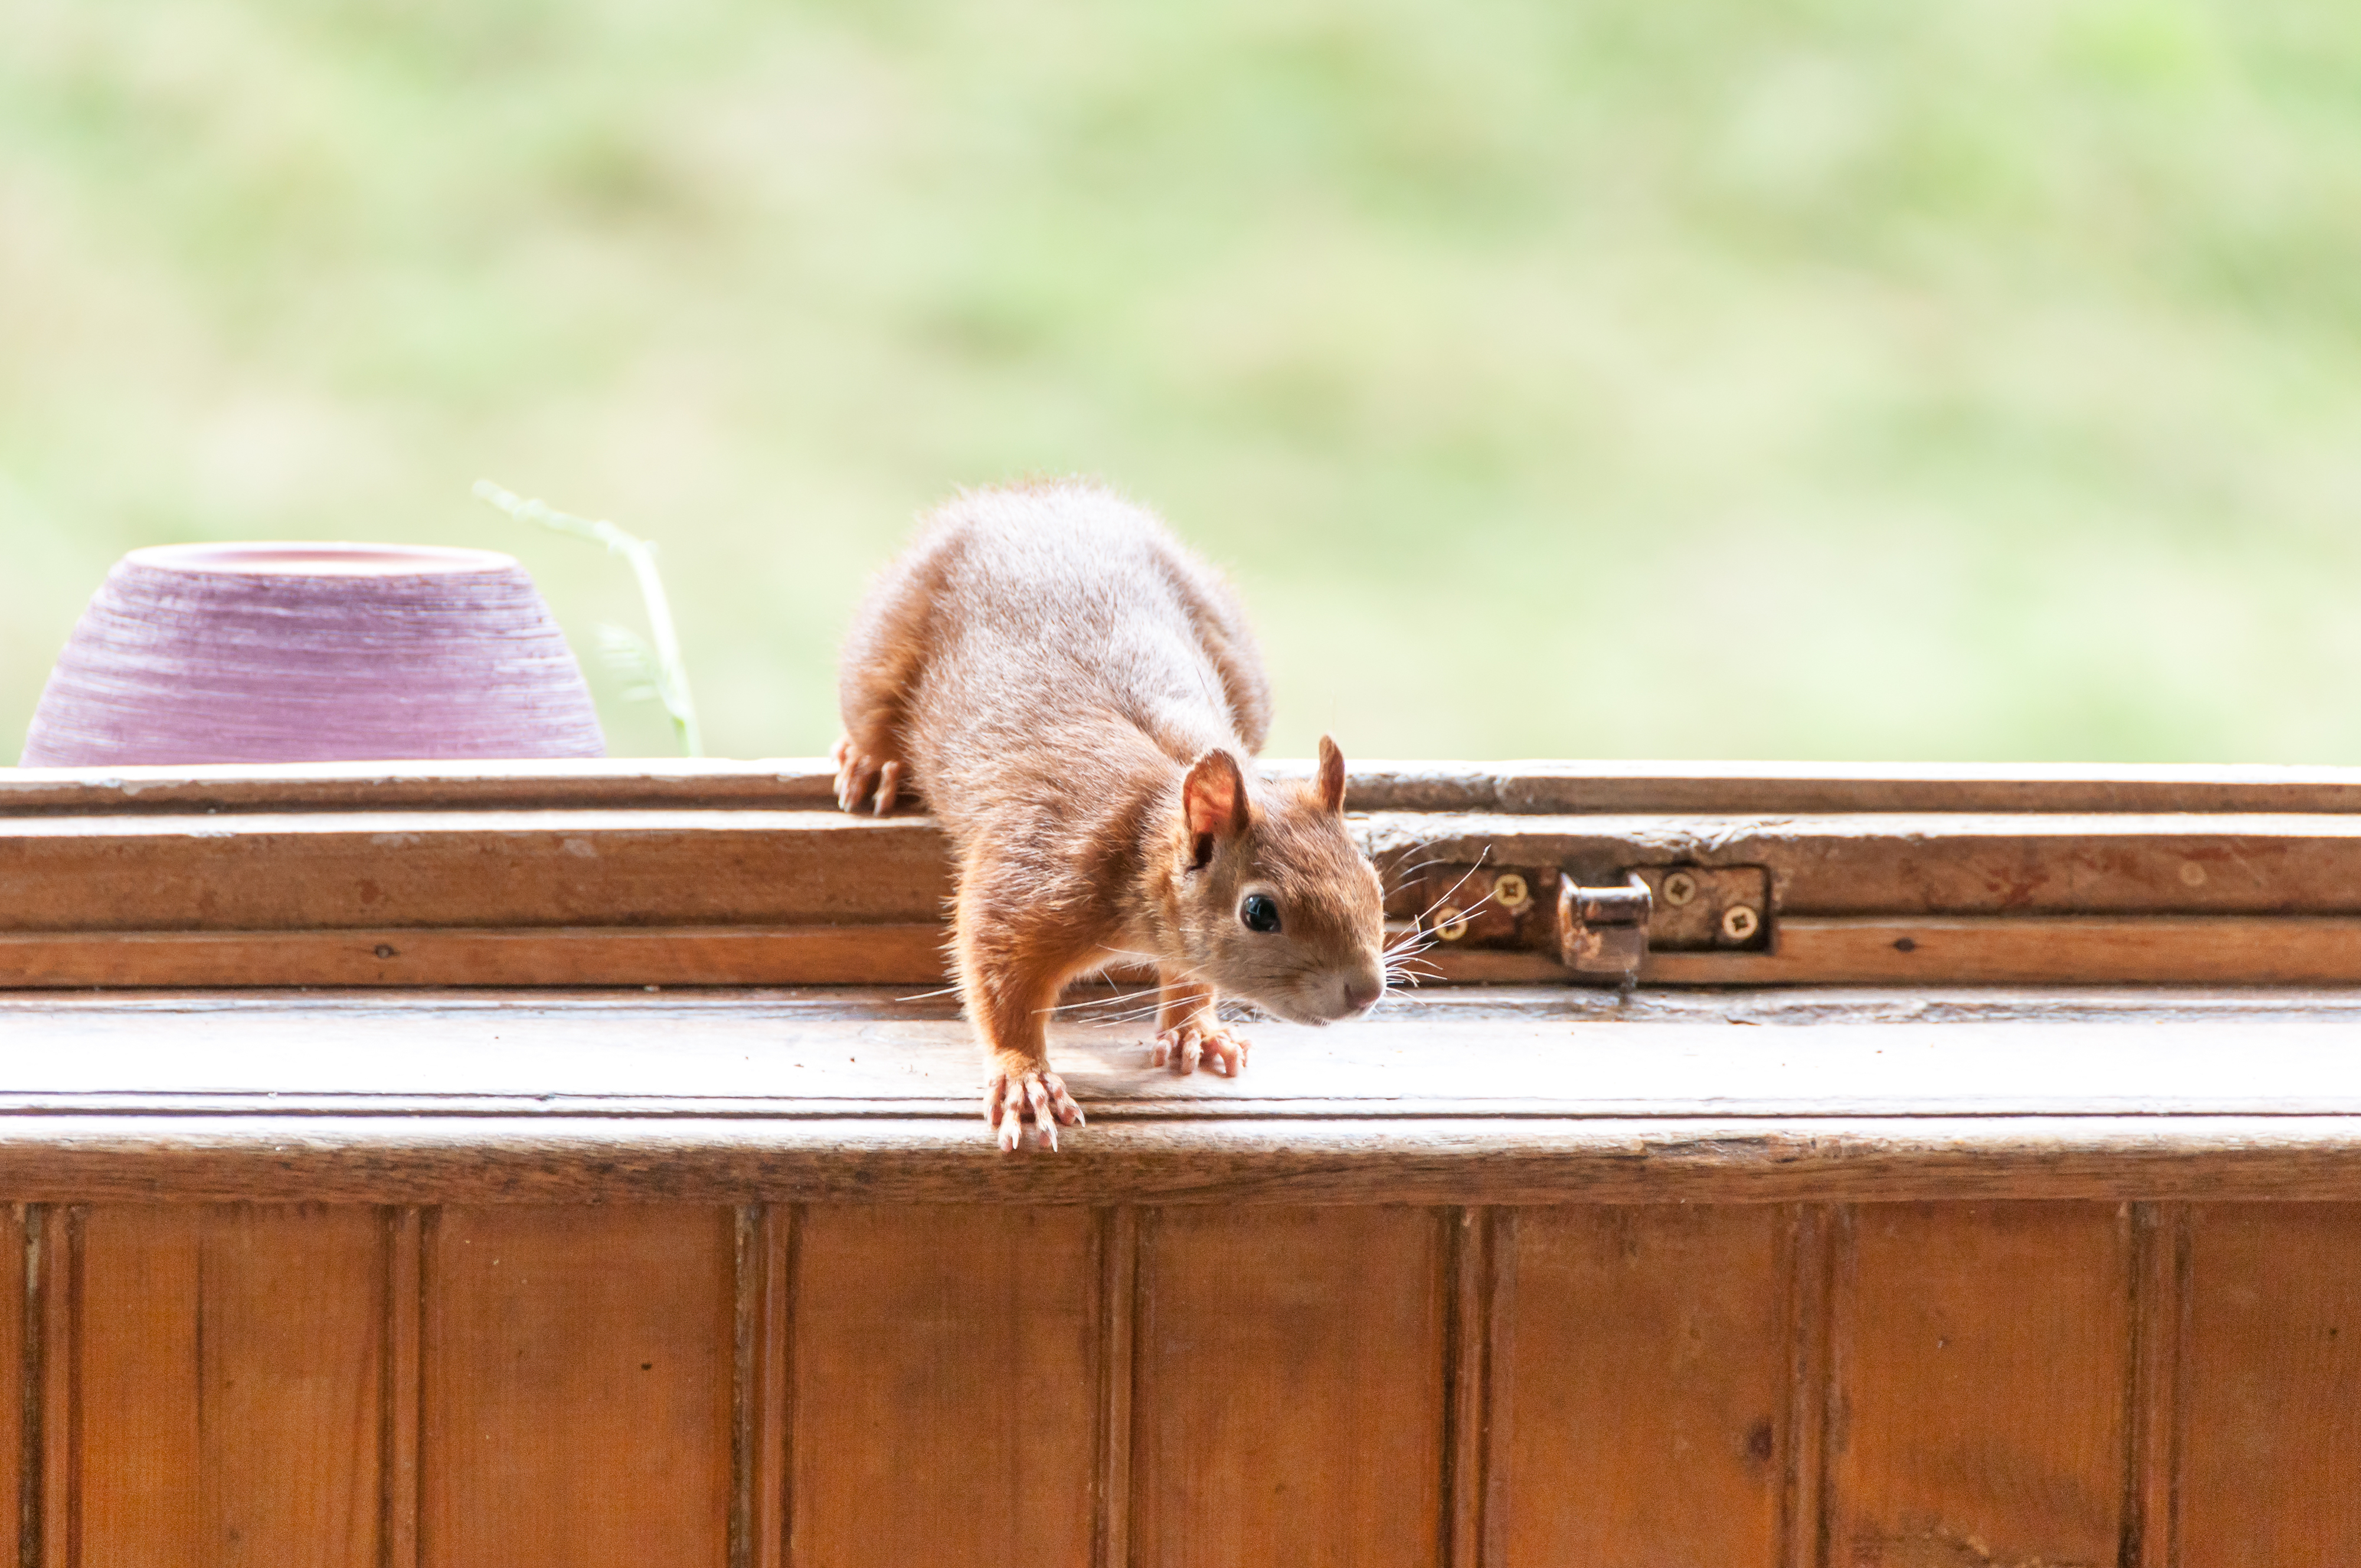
2160 1358
1934 863
765 1384
1864 897
1544 786
536 783
1289 1398
227 1384
2156 949
1981 1358
577 1383
53 1503
368 869
292 1362
391 956
636 1055
1187 1164
1649 1354
946 1386
1480 1245
2273 1419
15 1361
132 1452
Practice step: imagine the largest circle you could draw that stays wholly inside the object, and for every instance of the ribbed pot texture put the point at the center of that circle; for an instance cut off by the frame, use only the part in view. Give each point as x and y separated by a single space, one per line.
296 653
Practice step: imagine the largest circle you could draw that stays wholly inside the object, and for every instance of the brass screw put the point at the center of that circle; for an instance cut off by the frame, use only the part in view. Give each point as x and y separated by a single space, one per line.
1679 888
1509 892
1450 923
1739 922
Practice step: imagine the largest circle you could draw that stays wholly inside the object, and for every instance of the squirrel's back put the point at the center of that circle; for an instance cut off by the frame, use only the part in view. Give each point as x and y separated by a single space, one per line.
1056 632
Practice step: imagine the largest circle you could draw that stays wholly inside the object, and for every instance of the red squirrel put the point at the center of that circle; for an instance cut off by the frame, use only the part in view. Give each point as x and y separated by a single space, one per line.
1076 696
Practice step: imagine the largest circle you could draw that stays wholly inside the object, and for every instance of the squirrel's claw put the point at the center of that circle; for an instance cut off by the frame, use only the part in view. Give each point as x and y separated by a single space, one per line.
1010 1098
1183 1046
857 773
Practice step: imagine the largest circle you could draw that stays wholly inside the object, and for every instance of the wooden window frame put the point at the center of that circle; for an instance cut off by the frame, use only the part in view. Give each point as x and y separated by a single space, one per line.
561 1162
396 897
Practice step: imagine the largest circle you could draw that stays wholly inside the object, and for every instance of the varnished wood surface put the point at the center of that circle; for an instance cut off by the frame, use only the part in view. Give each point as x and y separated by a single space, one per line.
879 954
368 869
1944 1385
1979 1373
2270 1387
1346 1313
419 1160
576 1388
1510 1053
1544 786
966 1344
2304 950
2077 949
1935 863
1517 1098
704 874
1633 1345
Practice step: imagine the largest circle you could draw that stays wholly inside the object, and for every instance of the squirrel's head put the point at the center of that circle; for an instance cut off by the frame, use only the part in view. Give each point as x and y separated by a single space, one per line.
1273 899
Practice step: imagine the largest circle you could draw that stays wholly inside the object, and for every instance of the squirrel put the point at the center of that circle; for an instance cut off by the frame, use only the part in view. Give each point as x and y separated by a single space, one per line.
1076 696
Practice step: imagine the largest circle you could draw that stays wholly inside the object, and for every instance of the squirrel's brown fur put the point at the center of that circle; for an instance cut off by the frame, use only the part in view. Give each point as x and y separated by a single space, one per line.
1075 696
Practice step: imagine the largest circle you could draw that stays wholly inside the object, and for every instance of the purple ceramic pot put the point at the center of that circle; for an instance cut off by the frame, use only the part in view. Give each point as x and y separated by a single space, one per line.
312 653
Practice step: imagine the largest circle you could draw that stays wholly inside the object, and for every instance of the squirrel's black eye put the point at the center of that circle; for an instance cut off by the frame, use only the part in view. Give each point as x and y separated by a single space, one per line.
1260 912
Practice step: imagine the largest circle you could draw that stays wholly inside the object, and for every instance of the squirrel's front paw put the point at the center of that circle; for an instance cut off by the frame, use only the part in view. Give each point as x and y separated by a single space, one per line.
1011 1095
857 772
1185 1044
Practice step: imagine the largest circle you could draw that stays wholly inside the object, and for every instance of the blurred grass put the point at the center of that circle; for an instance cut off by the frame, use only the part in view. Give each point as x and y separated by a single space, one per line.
1812 379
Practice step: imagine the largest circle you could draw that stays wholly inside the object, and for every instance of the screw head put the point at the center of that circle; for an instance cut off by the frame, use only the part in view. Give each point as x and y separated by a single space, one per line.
1450 923
1739 922
1679 888
1509 892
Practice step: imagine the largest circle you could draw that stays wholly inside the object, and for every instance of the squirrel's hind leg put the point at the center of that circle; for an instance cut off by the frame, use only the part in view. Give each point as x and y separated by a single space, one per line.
883 658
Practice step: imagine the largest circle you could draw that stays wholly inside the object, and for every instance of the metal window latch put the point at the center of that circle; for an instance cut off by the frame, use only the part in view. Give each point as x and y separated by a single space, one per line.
1598 929
1604 930
1679 908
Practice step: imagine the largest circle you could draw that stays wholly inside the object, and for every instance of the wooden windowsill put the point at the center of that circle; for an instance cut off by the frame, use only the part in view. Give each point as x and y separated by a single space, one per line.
1498 1095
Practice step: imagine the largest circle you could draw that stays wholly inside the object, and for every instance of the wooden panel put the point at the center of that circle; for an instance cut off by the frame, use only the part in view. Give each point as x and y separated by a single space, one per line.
691 955
2175 949
2178 949
1784 789
1210 1162
2272 1386
13 1364
301 870
226 1383
768 1237
1796 789
945 1386
131 1453
1932 864
291 1308
1289 1398
578 1370
1982 1355
1640 1407
1522 1053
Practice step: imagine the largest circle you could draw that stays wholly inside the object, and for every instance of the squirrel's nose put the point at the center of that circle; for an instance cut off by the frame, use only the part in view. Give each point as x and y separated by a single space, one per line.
1359 994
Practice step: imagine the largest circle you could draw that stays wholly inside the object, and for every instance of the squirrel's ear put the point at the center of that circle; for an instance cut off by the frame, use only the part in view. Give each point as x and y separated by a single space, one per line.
1332 776
1213 799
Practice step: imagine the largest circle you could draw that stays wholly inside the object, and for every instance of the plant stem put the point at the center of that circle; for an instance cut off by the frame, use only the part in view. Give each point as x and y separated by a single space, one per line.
671 672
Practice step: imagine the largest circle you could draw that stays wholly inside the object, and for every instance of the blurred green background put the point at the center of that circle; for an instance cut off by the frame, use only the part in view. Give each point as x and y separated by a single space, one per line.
1811 379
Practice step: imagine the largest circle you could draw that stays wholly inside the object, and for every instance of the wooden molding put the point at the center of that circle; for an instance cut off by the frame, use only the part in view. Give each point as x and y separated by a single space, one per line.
561 873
